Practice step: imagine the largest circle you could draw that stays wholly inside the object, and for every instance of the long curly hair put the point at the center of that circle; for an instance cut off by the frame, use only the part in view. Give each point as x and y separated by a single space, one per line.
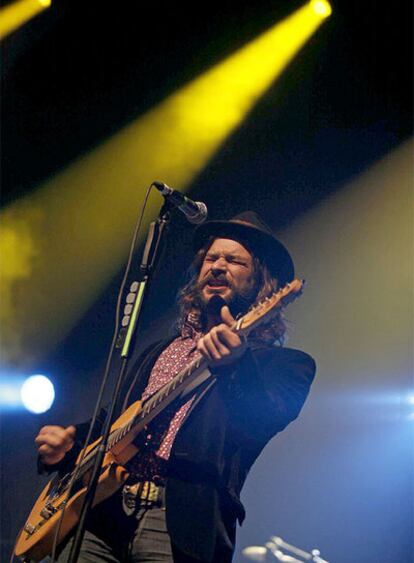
188 300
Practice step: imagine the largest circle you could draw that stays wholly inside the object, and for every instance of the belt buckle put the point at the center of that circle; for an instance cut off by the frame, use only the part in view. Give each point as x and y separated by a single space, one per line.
143 493
149 492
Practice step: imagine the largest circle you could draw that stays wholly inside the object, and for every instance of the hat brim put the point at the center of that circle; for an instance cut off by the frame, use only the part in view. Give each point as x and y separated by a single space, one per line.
265 245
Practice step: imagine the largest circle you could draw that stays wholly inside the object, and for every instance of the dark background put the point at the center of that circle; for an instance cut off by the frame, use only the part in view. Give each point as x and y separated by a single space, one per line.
82 70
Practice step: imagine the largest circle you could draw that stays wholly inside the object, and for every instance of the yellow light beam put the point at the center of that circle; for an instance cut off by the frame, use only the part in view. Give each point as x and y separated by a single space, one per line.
321 7
18 13
62 244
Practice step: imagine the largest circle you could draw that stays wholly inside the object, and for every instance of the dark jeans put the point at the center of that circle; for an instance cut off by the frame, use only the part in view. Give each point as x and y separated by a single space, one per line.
149 543
114 537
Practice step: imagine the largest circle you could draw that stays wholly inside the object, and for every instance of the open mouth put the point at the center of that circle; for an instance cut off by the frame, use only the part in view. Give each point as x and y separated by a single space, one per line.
217 284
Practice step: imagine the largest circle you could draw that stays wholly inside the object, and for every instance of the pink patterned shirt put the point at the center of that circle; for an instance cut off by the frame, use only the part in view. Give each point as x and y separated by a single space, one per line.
152 460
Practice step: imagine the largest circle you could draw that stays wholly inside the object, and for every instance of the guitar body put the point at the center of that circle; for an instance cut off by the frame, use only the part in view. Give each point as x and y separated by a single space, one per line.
36 538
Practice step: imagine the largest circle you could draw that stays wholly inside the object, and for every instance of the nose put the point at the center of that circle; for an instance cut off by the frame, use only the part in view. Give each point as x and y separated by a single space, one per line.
219 266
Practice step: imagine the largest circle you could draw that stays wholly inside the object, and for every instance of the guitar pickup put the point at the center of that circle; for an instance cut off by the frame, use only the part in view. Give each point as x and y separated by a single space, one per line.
48 511
29 529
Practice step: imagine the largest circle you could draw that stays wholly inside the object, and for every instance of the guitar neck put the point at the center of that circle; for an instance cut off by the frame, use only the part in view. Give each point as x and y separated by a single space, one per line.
150 409
169 392
155 404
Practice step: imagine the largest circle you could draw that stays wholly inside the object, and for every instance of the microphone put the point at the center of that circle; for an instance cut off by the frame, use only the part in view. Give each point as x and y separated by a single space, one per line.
195 211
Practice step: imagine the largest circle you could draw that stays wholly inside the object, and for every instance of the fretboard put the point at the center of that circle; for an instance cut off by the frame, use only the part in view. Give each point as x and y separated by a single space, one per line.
152 407
160 400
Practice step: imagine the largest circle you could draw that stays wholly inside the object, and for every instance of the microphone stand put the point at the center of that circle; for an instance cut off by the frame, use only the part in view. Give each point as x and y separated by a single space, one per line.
273 548
125 340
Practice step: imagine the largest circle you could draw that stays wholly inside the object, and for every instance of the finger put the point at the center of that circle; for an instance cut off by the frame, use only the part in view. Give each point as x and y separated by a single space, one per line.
56 436
45 450
218 343
40 440
211 348
227 317
207 349
52 431
50 440
227 337
201 347
50 458
47 429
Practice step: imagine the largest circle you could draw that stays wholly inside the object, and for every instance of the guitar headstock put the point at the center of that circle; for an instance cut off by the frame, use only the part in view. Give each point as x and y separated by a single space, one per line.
270 306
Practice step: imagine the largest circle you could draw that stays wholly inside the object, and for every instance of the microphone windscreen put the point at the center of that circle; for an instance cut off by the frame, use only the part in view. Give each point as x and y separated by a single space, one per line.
215 305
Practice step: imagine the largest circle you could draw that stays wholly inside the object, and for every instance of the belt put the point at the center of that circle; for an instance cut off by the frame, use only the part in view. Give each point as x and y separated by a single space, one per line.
144 494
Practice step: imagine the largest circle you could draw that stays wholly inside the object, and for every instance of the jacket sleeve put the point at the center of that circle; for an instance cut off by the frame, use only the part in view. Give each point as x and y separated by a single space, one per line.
266 389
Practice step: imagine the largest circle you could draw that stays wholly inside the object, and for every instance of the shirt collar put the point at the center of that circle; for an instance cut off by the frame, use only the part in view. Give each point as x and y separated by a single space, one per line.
191 327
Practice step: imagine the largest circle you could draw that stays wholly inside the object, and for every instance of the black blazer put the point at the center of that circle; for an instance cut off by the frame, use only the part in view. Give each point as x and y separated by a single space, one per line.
226 429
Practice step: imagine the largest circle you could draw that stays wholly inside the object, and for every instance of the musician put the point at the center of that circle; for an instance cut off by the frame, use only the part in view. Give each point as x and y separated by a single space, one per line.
181 502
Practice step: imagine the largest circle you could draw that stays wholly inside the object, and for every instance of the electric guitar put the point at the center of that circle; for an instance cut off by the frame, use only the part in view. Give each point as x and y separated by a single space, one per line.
58 507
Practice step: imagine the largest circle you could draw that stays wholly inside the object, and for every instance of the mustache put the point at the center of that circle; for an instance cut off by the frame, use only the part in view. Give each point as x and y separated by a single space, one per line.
217 279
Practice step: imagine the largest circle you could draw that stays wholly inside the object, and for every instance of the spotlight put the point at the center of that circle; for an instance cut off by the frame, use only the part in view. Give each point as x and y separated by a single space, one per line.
37 394
17 13
321 7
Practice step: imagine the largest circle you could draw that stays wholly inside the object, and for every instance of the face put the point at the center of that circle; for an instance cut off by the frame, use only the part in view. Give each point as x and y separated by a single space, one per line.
227 271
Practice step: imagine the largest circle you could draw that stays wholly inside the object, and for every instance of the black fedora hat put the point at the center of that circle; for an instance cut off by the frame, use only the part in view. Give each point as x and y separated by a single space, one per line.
249 228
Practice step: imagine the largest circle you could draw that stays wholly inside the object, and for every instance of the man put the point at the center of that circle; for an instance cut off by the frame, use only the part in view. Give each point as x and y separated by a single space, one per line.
181 501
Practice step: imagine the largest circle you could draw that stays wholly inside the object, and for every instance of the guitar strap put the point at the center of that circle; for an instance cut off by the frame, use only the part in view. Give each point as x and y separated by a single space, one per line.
204 382
197 383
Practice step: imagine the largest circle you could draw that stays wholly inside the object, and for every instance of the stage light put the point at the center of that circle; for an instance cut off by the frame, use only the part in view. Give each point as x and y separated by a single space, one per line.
321 8
85 215
37 394
18 13
34 393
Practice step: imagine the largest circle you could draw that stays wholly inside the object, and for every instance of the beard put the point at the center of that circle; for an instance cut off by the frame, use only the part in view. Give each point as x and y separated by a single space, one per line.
238 301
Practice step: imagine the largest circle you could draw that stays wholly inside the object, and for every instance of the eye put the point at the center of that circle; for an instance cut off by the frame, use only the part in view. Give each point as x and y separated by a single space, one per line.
237 261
